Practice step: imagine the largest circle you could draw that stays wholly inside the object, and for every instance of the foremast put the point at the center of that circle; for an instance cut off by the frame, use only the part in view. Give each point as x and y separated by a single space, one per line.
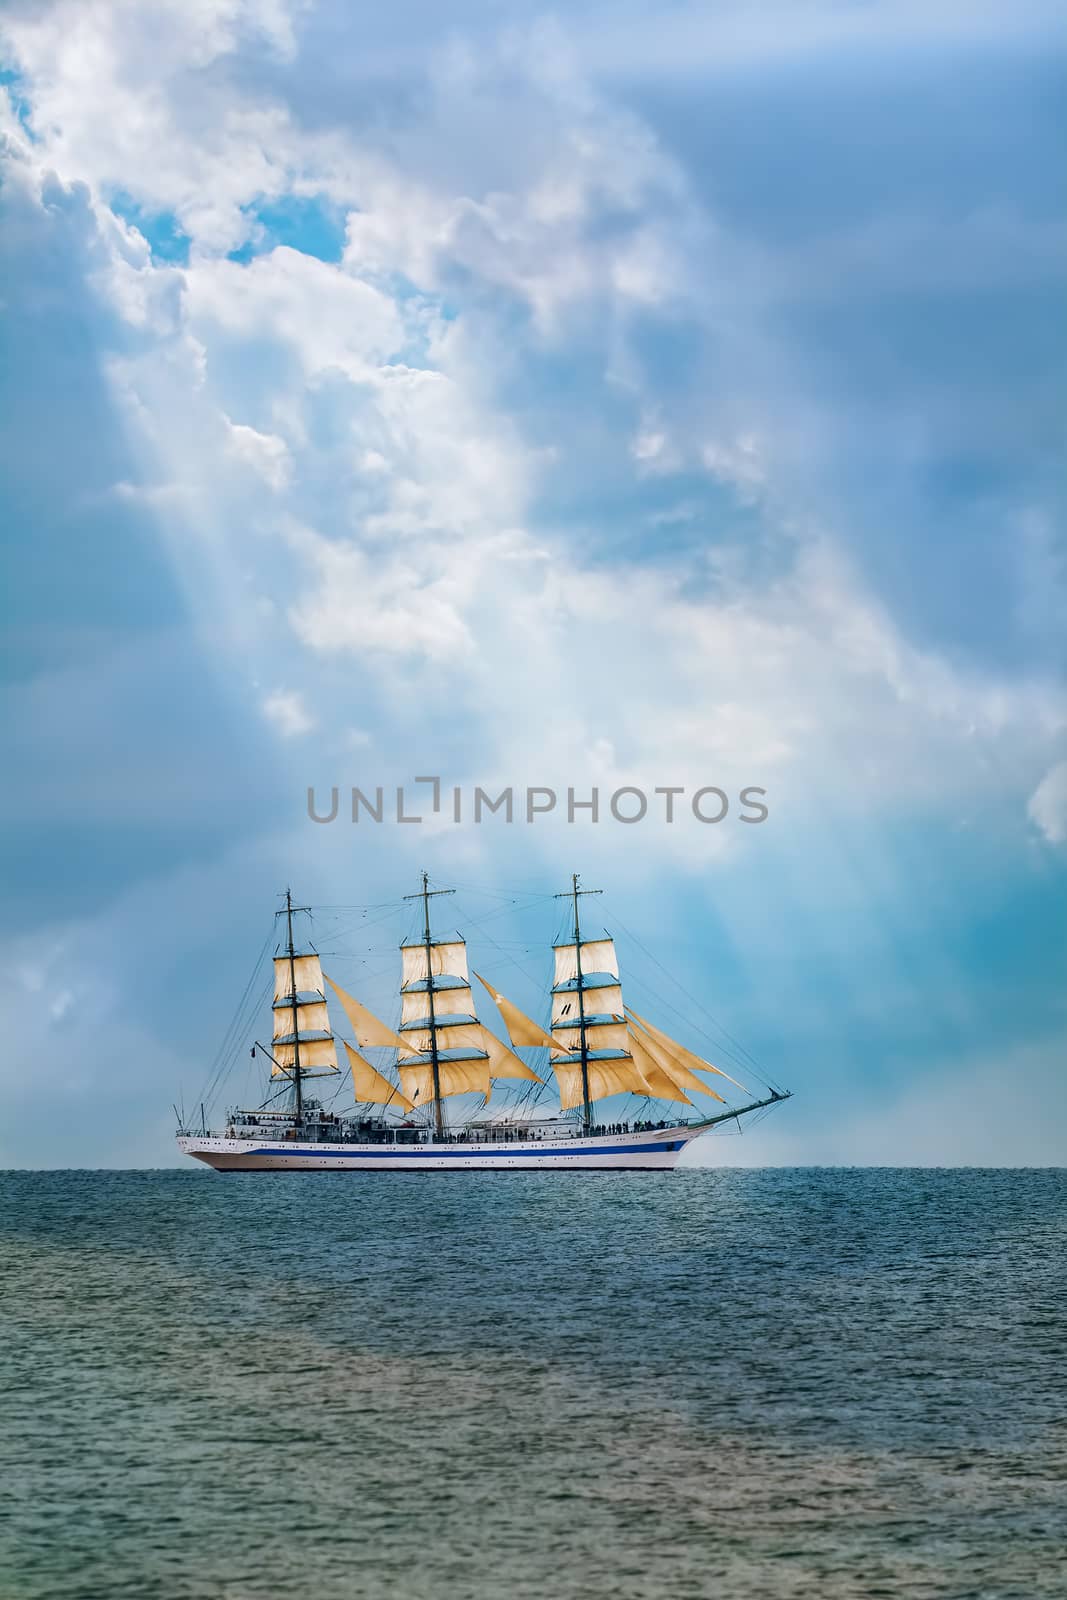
302 1043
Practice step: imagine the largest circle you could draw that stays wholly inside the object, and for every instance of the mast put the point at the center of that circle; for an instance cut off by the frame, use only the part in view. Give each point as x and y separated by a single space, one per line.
426 894
573 895
296 1015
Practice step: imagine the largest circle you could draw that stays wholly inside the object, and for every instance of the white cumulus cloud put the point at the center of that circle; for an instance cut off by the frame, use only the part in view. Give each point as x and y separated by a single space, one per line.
1048 804
286 710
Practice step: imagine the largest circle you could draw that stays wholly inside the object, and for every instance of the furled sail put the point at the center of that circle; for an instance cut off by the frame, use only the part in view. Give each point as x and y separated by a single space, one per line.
368 1084
306 971
686 1057
313 1053
522 1030
447 959
369 1031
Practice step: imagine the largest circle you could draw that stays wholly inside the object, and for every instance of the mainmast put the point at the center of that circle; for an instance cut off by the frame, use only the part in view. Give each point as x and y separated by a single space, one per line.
426 894
573 895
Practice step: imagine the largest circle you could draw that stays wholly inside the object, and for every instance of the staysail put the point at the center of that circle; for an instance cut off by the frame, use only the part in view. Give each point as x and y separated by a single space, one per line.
522 1030
370 1086
682 1056
369 1031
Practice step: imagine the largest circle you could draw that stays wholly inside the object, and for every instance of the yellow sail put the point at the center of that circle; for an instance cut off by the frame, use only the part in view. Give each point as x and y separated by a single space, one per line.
598 956
448 959
313 1053
662 1085
311 1017
522 1030
668 1064
369 1085
415 1004
460 1036
454 1077
603 1002
504 1063
368 1030
598 1036
619 1076
686 1057
305 969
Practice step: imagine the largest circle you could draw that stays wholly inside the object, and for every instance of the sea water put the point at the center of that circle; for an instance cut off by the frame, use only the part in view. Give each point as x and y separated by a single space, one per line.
533 1386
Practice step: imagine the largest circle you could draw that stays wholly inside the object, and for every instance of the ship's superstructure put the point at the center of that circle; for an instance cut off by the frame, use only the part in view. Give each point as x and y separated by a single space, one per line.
618 1078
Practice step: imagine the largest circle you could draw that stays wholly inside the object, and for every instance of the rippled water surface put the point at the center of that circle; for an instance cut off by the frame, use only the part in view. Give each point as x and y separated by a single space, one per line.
736 1384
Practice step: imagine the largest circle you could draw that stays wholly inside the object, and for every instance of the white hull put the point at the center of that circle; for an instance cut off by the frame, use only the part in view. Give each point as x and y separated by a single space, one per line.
656 1150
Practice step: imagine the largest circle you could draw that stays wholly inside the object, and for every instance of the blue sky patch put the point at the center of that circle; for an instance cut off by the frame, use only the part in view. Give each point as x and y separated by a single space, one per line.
311 224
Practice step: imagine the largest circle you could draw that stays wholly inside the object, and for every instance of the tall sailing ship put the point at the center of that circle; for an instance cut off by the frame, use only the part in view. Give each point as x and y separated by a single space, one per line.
619 1080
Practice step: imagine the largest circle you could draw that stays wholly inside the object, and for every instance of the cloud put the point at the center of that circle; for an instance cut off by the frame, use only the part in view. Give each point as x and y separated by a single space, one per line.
410 532
264 452
736 462
286 710
544 481
1048 804
329 319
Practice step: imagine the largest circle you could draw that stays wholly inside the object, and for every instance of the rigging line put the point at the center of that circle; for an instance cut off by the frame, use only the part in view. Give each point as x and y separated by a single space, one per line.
511 961
721 1051
360 919
501 892
536 1091
224 1046
245 1027
701 1007
239 1031
346 930
488 916
375 905
213 1094
341 1077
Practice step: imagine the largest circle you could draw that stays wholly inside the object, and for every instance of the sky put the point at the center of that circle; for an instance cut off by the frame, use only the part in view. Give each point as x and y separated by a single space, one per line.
620 396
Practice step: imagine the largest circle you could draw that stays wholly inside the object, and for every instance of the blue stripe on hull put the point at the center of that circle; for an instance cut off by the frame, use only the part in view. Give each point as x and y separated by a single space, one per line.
425 1152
